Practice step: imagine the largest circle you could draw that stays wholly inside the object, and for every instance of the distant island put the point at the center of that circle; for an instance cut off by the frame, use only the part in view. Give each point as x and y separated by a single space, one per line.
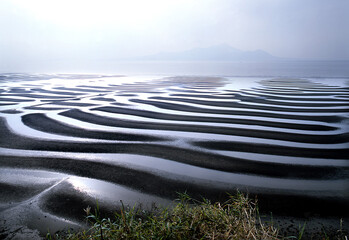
222 52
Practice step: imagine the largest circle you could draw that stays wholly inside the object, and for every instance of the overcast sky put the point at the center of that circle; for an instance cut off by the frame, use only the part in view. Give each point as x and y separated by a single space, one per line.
44 30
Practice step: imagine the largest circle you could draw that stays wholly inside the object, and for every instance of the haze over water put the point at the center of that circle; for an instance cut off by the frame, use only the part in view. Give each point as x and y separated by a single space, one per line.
295 69
82 118
65 36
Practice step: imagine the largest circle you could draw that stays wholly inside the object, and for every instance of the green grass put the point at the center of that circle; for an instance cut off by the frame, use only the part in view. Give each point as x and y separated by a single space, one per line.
237 218
188 219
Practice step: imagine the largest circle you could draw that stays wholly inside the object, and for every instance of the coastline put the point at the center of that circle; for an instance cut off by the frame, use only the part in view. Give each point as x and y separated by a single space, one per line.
190 128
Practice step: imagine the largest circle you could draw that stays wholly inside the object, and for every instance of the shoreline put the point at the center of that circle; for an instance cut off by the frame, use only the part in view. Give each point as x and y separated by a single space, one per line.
190 134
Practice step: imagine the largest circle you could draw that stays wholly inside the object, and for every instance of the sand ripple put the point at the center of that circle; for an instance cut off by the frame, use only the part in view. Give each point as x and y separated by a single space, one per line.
66 140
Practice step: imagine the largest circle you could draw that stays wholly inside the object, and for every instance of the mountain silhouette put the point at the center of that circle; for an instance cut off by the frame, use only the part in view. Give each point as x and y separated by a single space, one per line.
222 52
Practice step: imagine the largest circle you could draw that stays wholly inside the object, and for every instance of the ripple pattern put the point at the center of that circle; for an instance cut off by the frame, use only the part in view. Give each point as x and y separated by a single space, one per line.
144 139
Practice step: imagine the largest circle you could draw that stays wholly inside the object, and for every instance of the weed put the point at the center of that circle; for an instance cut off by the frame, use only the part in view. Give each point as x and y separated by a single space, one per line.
188 219
237 218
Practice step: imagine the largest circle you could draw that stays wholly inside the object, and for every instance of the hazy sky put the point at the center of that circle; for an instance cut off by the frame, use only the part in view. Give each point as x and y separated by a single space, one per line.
44 30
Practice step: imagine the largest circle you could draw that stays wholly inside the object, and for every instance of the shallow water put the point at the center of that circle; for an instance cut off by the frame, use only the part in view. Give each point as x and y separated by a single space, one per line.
67 140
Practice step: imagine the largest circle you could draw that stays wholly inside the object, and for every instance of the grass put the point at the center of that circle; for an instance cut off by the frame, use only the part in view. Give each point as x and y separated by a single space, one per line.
237 218
188 219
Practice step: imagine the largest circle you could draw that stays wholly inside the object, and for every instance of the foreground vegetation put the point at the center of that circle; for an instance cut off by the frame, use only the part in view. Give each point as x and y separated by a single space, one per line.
188 219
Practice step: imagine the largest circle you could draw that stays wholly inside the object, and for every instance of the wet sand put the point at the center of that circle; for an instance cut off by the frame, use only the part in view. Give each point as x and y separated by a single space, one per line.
65 143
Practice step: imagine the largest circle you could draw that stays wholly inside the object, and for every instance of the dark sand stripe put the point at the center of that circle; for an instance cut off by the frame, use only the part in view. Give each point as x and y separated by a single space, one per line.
43 123
291 99
293 93
174 117
7 104
34 96
197 158
21 193
186 108
295 137
254 98
193 91
309 108
11 111
103 99
275 150
282 203
308 89
73 104
126 95
120 104
293 103
16 90
87 90
107 88
205 96
56 92
15 100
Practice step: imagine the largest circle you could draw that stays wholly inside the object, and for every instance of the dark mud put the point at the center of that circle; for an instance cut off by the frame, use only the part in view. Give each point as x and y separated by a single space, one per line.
284 141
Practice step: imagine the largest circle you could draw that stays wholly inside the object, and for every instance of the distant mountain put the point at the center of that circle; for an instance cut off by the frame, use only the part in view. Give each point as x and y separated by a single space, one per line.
221 52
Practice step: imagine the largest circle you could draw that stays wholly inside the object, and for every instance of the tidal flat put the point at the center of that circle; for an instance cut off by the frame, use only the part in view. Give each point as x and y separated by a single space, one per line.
70 140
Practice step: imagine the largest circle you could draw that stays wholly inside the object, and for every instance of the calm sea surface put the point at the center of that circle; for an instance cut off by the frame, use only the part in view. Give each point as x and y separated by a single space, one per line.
255 69
247 69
